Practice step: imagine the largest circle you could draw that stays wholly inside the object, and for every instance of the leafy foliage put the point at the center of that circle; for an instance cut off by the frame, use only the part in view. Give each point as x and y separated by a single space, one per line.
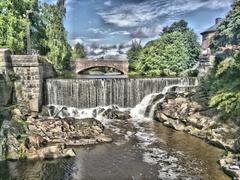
48 35
13 24
133 55
79 51
225 86
56 37
176 50
223 81
228 32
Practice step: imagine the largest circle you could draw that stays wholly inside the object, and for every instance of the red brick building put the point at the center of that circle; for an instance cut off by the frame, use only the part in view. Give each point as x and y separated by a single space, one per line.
207 35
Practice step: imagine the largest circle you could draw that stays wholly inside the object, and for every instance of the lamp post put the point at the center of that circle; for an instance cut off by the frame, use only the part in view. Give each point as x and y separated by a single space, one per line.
29 49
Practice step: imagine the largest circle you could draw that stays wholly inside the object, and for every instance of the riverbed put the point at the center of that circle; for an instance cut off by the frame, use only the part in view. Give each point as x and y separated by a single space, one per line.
141 149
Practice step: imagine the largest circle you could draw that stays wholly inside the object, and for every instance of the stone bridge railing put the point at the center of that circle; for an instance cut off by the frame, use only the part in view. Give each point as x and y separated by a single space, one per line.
82 65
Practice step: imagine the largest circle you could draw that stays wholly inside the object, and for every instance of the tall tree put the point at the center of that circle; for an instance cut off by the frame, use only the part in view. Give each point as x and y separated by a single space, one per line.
59 51
176 50
133 55
14 24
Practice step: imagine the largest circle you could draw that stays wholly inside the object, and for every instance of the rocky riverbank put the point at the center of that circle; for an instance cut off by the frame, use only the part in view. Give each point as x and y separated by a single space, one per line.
28 136
189 112
52 134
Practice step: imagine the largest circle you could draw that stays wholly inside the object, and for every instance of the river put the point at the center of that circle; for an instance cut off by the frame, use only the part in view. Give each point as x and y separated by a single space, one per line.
142 148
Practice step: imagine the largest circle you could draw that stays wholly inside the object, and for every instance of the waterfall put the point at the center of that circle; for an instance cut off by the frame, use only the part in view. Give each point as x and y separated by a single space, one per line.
123 92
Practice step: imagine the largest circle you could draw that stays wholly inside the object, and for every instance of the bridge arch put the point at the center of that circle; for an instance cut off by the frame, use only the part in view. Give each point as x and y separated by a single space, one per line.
93 67
83 65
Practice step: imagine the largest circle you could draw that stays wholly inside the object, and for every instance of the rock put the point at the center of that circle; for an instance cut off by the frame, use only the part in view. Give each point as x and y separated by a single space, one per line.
196 120
194 107
103 138
89 127
190 113
228 168
81 142
35 141
17 112
116 114
51 152
46 138
12 149
34 115
237 145
68 153
45 112
5 114
197 132
160 117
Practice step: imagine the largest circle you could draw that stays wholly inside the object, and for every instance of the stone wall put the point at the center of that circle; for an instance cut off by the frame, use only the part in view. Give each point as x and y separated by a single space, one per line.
6 85
30 72
205 64
5 61
5 91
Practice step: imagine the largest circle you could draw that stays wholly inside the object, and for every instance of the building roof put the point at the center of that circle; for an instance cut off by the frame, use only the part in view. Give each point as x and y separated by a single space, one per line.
211 29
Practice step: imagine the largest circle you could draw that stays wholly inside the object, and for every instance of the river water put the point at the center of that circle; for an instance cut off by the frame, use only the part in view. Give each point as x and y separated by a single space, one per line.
142 149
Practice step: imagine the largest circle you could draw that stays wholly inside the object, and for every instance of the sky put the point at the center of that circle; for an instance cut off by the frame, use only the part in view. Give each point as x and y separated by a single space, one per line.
110 22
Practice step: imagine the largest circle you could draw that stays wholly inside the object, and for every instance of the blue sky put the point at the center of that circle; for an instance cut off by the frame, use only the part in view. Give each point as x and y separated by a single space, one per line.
119 21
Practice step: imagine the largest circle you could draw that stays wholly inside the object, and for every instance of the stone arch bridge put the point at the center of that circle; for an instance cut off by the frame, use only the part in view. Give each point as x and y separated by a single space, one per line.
82 65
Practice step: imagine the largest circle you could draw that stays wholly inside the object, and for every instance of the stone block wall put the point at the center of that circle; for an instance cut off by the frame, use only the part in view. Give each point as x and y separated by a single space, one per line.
5 91
6 85
30 72
5 61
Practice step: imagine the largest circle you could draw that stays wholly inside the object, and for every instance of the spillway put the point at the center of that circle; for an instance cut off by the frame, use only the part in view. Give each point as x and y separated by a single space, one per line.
124 92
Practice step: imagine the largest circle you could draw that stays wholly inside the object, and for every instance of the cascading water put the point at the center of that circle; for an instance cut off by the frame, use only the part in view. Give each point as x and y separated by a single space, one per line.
155 152
125 92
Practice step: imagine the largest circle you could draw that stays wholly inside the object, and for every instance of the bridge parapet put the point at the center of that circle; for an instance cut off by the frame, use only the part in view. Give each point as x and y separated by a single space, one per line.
81 65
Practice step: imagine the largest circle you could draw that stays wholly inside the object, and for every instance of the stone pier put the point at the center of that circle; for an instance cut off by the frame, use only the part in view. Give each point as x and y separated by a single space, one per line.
29 72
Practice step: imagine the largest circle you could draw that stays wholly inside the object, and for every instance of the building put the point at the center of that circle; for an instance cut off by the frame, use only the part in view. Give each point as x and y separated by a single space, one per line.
207 35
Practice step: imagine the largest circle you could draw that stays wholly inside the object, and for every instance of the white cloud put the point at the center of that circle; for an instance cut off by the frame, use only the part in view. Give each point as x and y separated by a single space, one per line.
141 32
98 31
108 3
131 15
120 33
94 40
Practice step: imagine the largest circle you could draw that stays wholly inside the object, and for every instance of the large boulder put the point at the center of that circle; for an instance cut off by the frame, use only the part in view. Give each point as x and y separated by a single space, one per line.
115 113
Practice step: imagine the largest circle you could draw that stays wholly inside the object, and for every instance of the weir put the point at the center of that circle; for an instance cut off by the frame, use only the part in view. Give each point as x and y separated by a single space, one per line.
124 92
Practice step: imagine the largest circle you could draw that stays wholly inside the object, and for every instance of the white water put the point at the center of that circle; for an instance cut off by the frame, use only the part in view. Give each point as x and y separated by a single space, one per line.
124 92
166 161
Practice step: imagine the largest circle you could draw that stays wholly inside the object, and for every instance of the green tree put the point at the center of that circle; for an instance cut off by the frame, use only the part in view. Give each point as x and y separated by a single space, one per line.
14 23
224 85
133 55
228 32
79 51
45 24
175 51
223 81
58 49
